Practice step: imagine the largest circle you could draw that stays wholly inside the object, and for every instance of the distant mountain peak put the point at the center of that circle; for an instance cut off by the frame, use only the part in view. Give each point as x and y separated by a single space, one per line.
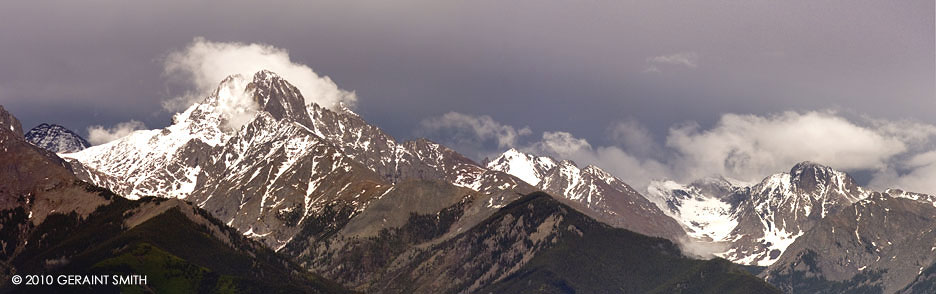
820 180
566 162
527 167
56 138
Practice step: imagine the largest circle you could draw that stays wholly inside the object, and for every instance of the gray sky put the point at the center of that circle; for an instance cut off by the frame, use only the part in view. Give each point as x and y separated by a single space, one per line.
572 66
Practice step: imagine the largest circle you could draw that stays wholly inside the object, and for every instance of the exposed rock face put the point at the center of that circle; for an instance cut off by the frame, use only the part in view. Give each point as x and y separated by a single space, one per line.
56 138
10 123
878 245
604 196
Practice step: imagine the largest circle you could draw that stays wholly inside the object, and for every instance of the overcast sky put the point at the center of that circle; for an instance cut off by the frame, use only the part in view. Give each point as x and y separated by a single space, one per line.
650 79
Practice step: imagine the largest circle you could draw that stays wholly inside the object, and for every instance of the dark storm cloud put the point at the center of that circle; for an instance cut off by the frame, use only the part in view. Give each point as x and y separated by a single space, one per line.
577 67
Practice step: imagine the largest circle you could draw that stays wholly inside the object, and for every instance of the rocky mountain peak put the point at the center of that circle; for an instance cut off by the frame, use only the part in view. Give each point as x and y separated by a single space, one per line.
816 179
56 138
567 163
237 101
278 97
9 123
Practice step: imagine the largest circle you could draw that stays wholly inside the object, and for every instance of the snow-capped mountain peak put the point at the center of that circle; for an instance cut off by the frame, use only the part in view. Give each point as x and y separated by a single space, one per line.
56 138
166 162
527 167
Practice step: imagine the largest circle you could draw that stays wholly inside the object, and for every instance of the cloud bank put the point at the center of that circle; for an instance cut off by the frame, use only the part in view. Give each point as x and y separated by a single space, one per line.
99 134
746 148
471 133
203 64
749 147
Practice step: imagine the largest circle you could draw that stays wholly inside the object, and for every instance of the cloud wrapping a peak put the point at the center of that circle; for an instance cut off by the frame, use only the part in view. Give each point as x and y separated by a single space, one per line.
236 103
203 64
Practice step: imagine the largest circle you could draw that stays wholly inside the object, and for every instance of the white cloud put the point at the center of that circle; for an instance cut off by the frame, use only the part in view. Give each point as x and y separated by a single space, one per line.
203 64
682 59
634 138
562 145
701 249
919 174
470 128
911 132
236 102
750 147
100 135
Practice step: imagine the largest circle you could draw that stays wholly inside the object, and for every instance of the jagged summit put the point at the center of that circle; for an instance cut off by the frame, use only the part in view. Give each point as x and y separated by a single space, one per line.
278 97
56 138
237 100
603 195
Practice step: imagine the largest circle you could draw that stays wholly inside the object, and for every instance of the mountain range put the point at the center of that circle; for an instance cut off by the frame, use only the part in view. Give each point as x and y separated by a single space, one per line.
336 203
